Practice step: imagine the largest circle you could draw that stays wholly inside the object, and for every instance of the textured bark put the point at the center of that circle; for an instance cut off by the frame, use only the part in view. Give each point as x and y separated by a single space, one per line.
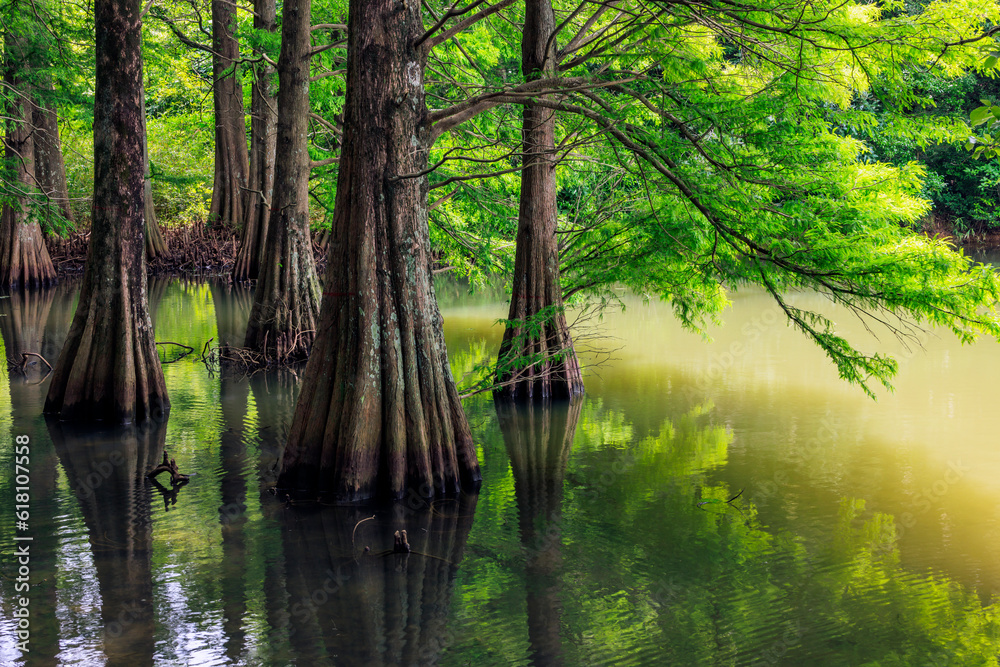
105 470
50 168
539 437
24 259
379 413
231 161
263 134
156 246
549 367
109 369
286 302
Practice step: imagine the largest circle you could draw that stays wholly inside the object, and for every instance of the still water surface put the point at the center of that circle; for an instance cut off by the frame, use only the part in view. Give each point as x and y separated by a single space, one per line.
864 532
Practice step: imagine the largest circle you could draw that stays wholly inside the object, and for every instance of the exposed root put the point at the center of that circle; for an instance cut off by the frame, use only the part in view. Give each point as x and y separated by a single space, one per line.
176 478
192 250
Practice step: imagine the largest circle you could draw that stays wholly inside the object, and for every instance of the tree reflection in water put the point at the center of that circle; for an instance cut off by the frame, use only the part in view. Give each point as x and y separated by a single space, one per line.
349 606
105 469
538 438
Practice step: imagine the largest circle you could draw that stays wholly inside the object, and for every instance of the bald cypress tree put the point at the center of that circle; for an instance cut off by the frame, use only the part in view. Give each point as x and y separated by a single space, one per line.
109 369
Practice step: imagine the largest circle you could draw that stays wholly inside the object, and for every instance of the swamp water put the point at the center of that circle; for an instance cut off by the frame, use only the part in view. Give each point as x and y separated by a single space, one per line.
863 533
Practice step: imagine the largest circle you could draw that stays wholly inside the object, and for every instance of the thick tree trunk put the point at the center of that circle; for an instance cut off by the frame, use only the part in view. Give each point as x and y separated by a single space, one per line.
109 369
379 413
537 363
50 169
231 160
286 302
24 259
156 246
263 134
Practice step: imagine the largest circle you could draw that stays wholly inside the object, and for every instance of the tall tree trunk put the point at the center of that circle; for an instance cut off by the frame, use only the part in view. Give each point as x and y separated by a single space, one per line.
538 360
24 259
156 246
260 187
231 160
379 412
286 302
50 169
109 368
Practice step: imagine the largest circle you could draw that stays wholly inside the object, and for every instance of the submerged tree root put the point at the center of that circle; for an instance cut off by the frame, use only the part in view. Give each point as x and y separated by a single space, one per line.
170 466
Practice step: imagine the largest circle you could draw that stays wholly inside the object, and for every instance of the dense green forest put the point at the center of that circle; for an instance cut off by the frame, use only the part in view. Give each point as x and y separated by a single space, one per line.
683 151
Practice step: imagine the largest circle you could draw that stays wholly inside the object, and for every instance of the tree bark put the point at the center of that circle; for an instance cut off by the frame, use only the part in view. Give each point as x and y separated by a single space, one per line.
537 363
156 246
109 369
231 161
263 134
286 302
50 168
24 259
379 412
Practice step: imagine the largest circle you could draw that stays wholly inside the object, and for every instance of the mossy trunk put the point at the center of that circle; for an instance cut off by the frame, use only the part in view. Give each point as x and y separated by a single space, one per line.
537 359
109 369
379 412
231 161
24 259
286 302
263 133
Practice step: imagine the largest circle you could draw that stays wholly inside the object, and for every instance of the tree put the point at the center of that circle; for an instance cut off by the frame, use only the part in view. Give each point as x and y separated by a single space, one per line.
722 119
24 259
536 358
286 302
260 186
156 246
231 161
379 413
50 168
109 369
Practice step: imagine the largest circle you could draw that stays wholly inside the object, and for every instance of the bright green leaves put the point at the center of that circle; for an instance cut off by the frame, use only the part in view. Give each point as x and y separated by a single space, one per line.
988 116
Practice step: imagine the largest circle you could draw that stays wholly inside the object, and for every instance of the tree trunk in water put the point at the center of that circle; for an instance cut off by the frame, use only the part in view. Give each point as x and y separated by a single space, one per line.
260 188
379 412
231 160
537 359
155 245
50 169
109 368
286 302
24 259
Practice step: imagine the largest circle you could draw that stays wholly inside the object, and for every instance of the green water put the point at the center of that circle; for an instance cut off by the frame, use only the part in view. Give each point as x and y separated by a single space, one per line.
864 532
